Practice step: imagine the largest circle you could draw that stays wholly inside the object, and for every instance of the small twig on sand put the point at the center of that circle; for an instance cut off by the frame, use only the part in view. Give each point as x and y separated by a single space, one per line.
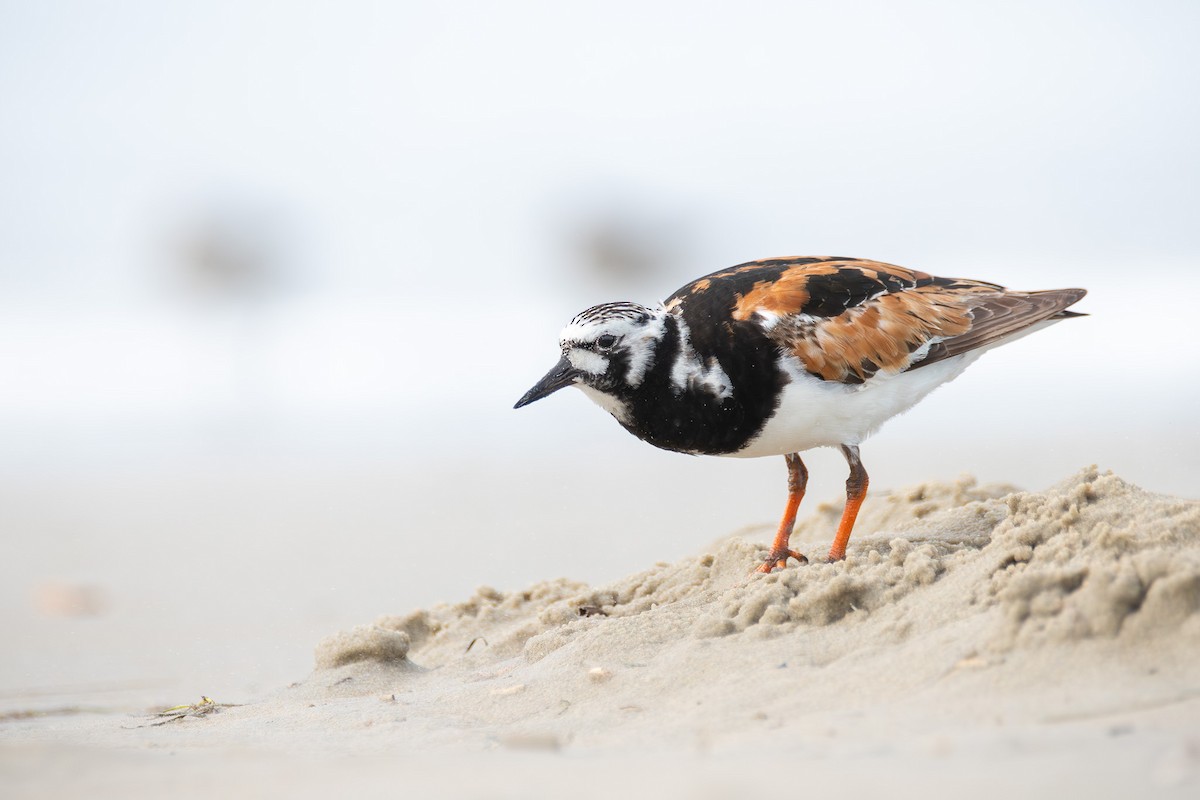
205 707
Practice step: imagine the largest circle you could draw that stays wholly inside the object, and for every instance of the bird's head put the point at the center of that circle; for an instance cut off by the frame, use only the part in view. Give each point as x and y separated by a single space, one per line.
606 351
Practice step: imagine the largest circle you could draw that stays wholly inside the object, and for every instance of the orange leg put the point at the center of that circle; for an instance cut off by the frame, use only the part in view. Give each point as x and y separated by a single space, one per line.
856 491
797 480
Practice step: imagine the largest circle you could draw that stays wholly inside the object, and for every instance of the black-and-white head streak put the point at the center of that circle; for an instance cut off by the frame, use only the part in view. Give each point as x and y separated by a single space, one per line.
610 312
612 346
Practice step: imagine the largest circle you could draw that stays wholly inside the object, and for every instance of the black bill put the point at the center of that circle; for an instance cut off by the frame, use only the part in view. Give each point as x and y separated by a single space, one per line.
560 375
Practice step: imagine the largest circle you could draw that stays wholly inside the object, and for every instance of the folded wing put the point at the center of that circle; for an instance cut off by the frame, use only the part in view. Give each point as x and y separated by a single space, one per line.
847 319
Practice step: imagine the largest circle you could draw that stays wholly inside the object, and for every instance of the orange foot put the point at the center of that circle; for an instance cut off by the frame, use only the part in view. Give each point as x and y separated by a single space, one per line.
777 559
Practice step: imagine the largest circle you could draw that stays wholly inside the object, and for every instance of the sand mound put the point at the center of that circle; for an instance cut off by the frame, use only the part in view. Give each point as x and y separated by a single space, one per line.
948 592
977 640
963 616
1092 556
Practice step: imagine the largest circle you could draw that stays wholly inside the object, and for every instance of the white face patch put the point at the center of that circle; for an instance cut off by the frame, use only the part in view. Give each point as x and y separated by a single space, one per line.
587 361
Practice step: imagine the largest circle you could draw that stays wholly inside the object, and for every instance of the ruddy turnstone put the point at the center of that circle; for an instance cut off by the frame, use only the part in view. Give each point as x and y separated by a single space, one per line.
778 356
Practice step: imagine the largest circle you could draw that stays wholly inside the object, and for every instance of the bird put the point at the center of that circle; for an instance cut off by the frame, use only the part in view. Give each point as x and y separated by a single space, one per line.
783 355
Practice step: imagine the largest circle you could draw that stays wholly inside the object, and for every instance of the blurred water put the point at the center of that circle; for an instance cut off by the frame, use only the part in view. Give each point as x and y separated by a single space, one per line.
273 274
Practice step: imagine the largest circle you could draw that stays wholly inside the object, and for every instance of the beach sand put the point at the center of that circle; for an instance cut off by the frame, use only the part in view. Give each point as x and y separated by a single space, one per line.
976 640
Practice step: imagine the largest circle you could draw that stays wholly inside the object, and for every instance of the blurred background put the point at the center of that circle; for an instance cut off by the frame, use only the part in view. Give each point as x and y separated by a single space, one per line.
272 275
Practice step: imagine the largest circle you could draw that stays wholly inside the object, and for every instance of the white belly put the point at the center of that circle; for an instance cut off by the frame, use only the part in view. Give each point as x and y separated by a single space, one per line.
816 413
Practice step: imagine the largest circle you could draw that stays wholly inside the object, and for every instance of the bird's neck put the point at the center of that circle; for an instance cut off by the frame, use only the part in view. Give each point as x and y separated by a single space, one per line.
683 399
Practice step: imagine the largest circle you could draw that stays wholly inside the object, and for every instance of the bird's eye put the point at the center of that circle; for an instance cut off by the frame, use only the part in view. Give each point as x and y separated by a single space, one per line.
606 341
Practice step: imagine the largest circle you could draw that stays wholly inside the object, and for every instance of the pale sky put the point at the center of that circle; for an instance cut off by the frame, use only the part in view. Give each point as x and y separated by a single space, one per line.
419 169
